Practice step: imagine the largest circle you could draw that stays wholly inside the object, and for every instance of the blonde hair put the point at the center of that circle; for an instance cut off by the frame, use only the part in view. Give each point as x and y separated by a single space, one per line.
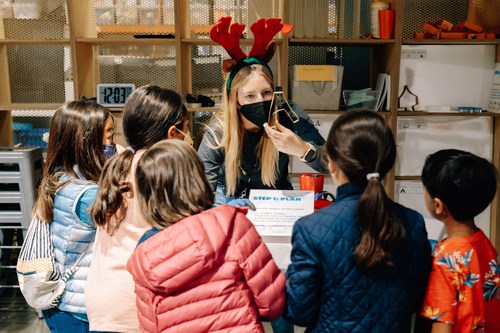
233 132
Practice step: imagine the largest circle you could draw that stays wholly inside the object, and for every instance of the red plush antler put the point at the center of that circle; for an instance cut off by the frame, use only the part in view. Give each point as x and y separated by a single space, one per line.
229 37
263 33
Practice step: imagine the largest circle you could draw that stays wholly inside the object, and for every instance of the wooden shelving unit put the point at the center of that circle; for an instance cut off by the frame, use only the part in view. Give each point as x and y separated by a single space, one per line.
167 56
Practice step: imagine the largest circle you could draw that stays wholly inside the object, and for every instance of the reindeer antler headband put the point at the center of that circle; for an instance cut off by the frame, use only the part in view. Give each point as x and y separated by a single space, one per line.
228 36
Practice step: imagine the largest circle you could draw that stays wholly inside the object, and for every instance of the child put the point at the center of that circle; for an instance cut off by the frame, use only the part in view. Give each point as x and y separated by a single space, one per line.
108 143
150 114
67 190
362 263
463 292
199 270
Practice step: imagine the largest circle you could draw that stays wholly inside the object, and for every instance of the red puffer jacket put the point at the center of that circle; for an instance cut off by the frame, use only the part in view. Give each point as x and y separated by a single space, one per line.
210 272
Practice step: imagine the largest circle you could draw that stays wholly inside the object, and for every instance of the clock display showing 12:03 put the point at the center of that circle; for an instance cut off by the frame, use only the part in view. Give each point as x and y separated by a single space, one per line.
114 94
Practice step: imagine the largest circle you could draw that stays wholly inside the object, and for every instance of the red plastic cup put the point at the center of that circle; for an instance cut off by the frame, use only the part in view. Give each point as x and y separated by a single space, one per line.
386 23
312 182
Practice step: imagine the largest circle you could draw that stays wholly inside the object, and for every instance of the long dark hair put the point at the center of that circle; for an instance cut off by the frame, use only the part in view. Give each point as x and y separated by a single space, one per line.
74 149
171 183
147 115
360 143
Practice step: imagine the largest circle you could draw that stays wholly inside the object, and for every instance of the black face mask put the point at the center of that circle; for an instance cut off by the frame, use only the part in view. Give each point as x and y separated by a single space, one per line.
257 113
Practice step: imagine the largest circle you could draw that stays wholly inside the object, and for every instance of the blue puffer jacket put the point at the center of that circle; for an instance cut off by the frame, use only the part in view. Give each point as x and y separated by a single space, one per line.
71 236
325 290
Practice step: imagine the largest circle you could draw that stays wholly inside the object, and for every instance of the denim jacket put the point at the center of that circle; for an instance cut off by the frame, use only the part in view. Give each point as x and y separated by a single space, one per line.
250 174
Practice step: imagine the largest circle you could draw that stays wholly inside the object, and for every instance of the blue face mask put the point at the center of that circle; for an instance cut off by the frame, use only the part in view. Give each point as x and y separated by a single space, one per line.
109 151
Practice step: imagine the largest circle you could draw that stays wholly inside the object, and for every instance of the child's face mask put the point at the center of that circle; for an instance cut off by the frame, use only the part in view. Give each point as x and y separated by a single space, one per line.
187 137
109 151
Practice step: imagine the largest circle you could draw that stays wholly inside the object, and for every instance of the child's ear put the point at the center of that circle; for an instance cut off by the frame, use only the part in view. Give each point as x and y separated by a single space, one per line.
331 166
172 131
440 208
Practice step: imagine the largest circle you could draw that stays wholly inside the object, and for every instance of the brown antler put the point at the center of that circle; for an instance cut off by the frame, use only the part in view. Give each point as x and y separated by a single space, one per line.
263 33
229 37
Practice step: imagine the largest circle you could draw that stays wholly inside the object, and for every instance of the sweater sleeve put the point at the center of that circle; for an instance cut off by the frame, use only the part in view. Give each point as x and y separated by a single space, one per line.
308 132
265 280
84 204
303 280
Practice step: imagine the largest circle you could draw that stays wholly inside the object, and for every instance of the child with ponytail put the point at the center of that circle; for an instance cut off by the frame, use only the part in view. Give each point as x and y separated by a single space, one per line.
362 263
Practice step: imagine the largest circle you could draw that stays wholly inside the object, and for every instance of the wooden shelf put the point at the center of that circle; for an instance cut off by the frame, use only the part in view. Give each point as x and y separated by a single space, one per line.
333 41
206 109
35 41
30 106
451 41
447 114
419 178
204 41
126 41
83 37
136 29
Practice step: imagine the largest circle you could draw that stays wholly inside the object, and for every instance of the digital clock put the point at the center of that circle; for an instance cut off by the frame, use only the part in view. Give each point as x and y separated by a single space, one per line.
114 94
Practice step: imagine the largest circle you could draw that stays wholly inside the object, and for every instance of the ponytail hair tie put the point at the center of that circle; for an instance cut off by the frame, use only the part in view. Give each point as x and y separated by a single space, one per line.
373 175
130 149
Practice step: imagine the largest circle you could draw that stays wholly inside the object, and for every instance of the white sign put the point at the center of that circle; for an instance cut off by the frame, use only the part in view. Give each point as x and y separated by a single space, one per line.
276 211
280 208
494 105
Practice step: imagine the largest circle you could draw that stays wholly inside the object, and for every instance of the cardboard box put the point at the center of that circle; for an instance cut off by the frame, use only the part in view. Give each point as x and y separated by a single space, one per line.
316 87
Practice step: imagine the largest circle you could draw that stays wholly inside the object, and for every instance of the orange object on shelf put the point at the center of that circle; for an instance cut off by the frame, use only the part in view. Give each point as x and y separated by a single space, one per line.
476 36
445 25
430 27
473 27
453 35
419 35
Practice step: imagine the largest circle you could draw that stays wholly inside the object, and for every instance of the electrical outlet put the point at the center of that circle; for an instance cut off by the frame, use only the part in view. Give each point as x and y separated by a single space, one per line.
411 124
414 54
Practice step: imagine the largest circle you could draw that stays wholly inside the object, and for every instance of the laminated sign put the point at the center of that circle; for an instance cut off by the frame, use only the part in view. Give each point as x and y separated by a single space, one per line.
317 87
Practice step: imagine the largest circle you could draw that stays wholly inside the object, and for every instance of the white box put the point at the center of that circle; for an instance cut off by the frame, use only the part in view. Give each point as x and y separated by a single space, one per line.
6 9
105 15
126 14
27 11
149 16
451 75
418 137
168 12
316 87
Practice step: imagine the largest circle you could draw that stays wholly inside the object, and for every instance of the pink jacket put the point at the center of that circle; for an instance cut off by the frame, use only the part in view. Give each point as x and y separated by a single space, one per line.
209 272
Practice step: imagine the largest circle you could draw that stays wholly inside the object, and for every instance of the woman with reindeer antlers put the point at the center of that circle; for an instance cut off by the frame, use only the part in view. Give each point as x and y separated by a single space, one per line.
248 143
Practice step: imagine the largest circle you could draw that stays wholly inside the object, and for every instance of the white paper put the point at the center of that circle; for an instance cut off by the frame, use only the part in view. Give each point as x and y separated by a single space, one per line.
276 213
381 87
454 75
277 210
494 104
281 253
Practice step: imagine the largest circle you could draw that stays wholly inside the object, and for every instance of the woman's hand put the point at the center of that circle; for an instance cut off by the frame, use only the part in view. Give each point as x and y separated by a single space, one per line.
286 141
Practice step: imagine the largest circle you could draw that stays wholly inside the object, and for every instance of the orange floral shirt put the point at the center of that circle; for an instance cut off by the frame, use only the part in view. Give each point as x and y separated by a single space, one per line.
464 285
